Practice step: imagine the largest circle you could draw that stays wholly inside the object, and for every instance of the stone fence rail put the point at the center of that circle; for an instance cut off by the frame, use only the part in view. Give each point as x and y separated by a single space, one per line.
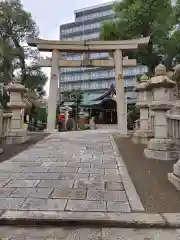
5 124
173 127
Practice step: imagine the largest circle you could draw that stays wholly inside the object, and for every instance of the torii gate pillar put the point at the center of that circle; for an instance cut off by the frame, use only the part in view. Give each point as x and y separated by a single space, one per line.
120 96
53 91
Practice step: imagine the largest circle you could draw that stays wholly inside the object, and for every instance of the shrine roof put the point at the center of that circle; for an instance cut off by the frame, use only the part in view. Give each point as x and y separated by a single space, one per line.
109 93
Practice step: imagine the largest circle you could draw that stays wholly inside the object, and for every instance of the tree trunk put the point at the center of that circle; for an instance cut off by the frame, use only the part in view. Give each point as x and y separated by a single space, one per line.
168 62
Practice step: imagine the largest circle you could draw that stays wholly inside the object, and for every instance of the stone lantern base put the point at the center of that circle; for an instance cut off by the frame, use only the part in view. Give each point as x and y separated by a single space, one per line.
142 137
17 136
174 177
161 149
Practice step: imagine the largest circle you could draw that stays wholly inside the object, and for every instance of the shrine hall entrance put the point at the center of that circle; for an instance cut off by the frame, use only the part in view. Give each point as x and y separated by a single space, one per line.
104 108
110 112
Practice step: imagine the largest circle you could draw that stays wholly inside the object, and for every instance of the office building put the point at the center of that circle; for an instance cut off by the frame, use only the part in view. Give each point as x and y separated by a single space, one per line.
93 81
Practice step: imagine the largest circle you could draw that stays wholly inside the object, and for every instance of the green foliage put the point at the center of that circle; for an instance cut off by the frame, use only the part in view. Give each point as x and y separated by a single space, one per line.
15 25
76 95
4 97
141 18
132 115
35 80
7 60
41 114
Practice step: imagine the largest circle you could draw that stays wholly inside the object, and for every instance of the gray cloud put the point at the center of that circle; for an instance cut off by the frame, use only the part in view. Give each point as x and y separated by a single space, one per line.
50 14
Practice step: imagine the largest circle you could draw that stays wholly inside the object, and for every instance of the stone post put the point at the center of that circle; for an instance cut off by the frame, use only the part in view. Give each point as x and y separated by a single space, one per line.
53 90
143 134
120 96
92 123
160 147
174 177
66 114
17 134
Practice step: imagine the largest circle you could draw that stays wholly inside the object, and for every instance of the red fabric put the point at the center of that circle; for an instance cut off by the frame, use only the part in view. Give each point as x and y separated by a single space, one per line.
61 116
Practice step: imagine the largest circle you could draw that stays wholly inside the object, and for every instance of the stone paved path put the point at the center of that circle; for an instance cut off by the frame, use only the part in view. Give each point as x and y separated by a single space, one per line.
74 171
10 233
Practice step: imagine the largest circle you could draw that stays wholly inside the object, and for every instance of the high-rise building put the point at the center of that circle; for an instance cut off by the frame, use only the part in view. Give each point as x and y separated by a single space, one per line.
93 81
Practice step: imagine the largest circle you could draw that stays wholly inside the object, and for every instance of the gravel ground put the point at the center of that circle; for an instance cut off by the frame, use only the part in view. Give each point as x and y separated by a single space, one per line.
150 178
12 150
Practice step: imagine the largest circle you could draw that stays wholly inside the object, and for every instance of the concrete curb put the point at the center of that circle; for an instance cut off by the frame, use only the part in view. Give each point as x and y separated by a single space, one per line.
172 219
132 195
94 219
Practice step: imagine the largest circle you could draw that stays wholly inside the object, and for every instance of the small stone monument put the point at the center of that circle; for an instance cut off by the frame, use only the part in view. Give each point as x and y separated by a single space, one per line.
17 133
174 177
143 133
160 147
92 123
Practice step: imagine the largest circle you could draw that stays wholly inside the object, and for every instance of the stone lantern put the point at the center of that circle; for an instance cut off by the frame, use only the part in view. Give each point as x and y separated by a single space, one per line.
17 133
142 134
160 147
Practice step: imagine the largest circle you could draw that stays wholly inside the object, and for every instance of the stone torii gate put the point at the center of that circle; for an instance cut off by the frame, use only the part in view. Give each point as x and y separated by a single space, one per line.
117 47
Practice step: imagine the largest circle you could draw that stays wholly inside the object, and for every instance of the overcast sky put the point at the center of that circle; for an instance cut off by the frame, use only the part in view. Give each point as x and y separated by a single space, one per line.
50 14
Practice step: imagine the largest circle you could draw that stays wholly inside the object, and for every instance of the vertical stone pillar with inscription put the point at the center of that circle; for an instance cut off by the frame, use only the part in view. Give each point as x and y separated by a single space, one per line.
53 88
120 96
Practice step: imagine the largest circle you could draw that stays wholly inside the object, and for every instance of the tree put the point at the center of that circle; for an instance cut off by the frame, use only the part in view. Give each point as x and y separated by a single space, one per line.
7 61
15 25
4 97
141 18
76 95
36 101
35 80
133 114
42 114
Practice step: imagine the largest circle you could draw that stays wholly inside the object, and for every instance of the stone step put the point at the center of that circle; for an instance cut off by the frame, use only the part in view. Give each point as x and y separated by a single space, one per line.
98 219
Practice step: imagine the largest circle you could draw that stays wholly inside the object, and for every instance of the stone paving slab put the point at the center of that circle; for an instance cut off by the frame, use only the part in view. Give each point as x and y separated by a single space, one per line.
72 171
10 233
